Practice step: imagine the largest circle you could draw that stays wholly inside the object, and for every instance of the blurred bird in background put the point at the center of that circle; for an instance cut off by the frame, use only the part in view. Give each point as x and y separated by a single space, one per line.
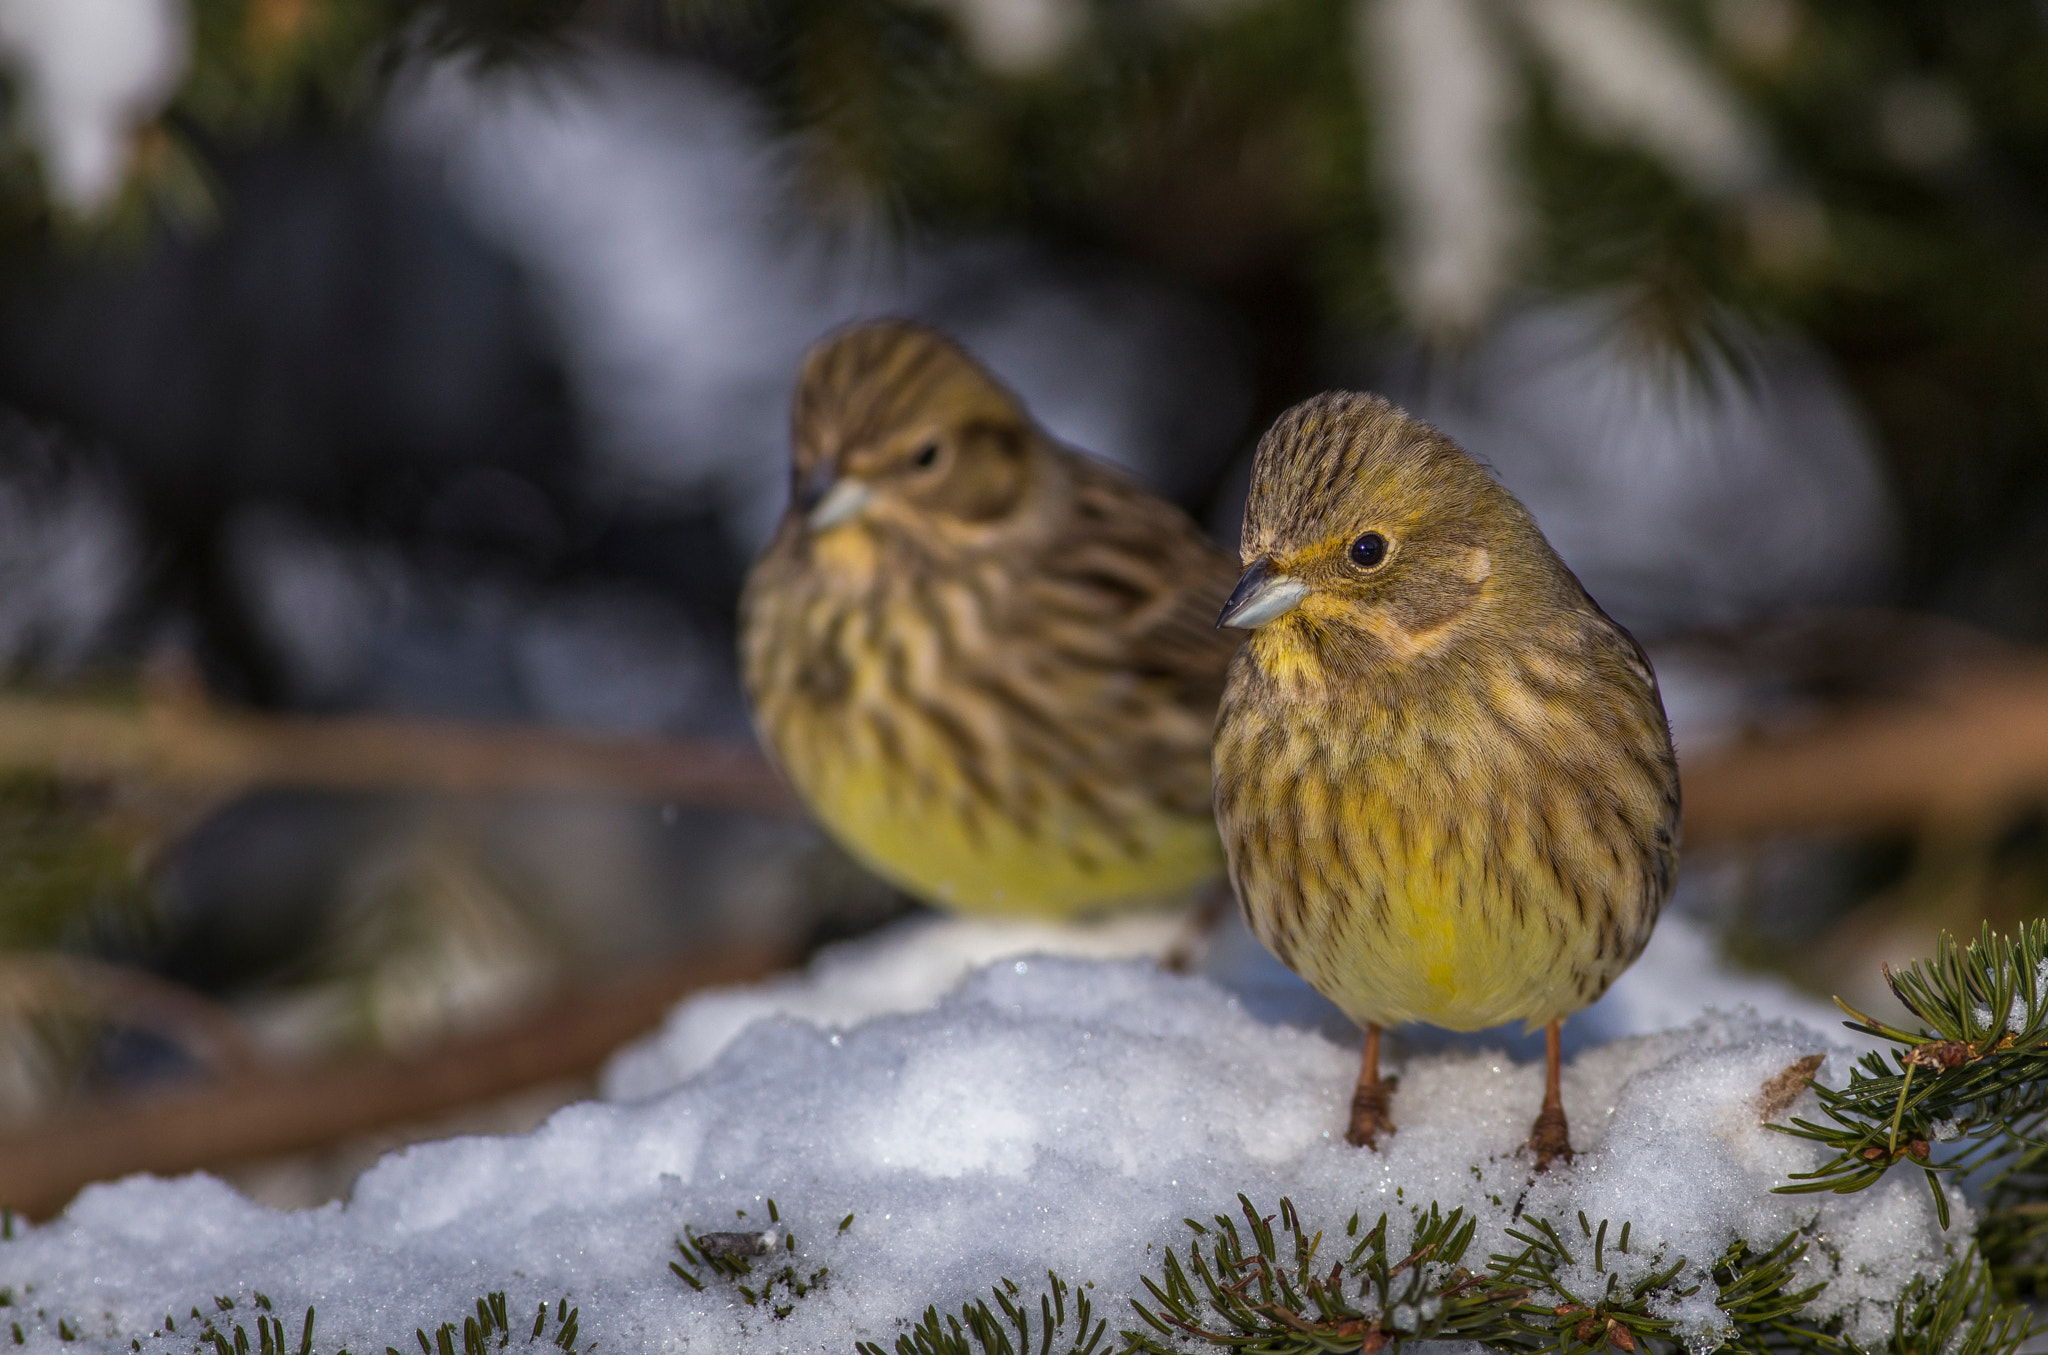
1443 774
984 660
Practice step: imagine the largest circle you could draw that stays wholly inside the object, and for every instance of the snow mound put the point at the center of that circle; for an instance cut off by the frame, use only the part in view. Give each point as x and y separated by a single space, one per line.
904 968
1046 1112
909 966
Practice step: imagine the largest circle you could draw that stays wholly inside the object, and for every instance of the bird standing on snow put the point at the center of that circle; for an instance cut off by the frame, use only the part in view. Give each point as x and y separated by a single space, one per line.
986 662
1443 775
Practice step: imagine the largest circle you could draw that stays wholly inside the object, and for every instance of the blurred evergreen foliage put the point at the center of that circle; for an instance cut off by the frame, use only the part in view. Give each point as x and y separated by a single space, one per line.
67 864
259 65
1231 143
1905 229
1902 219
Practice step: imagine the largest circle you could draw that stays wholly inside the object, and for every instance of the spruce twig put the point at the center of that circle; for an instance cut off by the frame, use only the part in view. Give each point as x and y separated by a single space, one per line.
978 1330
486 1331
1975 1073
1228 1295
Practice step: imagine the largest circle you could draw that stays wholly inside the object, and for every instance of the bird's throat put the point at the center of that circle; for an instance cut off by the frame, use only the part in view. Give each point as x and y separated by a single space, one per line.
846 558
1293 655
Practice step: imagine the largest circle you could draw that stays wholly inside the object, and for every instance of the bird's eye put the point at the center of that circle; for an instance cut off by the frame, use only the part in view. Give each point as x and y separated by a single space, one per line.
1369 550
925 457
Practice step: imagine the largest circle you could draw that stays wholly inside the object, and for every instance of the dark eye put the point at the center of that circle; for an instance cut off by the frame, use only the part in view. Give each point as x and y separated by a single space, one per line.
925 457
1369 550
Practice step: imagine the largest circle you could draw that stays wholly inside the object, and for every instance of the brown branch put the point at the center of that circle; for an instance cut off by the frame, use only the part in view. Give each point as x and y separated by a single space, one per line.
194 744
126 995
1972 749
1973 746
255 1116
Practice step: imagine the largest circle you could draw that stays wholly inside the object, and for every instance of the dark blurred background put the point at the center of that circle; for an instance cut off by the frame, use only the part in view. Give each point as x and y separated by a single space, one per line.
430 361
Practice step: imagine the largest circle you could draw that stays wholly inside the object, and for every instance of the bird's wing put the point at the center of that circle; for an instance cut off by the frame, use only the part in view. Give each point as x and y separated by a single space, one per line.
1158 581
1653 741
1127 591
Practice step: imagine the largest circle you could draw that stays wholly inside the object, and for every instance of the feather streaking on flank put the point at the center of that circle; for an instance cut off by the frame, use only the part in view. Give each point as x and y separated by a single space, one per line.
1443 774
987 662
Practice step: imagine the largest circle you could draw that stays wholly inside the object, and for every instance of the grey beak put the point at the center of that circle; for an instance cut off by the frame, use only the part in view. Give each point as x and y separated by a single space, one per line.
827 498
814 486
1263 594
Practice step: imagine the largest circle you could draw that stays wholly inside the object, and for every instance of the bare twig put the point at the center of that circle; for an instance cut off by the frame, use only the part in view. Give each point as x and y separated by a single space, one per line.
260 1115
1975 747
194 744
125 995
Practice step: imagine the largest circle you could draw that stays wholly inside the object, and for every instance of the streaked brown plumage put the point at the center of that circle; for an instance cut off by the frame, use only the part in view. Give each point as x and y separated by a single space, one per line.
1443 774
986 661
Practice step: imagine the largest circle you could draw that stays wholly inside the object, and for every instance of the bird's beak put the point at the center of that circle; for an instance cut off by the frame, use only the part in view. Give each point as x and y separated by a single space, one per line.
826 498
1263 594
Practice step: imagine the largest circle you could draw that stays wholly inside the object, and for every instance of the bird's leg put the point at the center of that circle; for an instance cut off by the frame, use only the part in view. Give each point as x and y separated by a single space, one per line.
1370 1102
1548 1138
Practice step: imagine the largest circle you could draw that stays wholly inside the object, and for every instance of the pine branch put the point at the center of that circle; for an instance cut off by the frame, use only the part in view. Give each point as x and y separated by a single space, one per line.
979 1331
264 67
491 1329
222 1330
1250 1300
1955 1316
1975 1073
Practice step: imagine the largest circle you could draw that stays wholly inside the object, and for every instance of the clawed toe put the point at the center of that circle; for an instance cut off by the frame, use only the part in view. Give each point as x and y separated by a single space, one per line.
1370 1103
1371 1115
1550 1139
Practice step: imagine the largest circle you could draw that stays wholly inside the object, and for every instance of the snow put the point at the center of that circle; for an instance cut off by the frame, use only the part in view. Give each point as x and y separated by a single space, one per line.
1041 1111
685 267
1018 37
912 965
91 72
907 968
2017 1015
1747 489
70 560
1445 100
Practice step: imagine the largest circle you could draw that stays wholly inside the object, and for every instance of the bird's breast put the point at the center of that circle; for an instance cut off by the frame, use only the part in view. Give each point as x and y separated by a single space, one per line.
956 754
1423 856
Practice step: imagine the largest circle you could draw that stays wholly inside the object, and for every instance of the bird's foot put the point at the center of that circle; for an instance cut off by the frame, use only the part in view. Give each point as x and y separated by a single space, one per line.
1371 1114
1549 1139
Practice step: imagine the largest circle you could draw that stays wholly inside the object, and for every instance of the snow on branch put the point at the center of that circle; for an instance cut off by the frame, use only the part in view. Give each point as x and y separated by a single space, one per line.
1975 1074
1543 1298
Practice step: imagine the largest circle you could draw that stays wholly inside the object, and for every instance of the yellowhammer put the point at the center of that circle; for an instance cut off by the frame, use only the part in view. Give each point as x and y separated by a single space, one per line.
985 661
1443 775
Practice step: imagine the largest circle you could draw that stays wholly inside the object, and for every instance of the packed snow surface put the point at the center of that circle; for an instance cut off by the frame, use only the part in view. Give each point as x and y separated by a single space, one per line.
913 965
1046 1111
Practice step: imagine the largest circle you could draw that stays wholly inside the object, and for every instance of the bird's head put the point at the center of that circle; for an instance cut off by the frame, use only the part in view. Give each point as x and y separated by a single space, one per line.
897 428
1372 529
